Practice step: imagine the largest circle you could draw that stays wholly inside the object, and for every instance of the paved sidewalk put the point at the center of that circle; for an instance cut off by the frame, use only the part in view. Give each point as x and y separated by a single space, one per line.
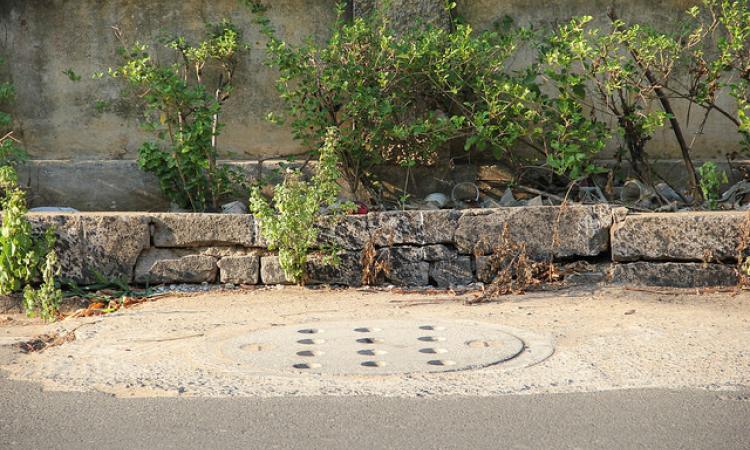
574 341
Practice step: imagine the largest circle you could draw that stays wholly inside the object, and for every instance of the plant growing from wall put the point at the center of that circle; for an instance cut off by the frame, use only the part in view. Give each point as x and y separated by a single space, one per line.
289 223
183 103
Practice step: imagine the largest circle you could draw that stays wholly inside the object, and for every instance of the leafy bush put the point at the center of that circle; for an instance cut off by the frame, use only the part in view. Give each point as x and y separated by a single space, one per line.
400 97
185 112
622 72
720 61
19 254
289 223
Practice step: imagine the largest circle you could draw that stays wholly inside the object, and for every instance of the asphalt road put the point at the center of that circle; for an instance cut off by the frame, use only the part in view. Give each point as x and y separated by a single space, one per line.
650 419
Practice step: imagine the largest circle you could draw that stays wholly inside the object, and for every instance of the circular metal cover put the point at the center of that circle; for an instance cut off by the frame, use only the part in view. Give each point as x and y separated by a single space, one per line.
374 347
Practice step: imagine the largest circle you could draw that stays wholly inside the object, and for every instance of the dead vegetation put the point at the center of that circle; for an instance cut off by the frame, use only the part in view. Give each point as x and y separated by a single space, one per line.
375 263
43 342
514 271
743 260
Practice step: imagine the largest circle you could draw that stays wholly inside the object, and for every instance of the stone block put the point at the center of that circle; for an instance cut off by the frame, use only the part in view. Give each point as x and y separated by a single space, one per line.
202 230
409 274
239 269
347 273
161 266
92 245
438 252
692 236
676 275
111 245
546 230
405 266
452 272
413 227
349 233
271 272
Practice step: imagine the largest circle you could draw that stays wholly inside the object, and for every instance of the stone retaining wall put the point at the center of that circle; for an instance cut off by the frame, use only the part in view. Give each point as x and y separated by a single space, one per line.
440 248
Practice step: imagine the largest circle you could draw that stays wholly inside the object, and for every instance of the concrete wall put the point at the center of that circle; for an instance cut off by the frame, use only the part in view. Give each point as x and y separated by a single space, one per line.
43 38
57 117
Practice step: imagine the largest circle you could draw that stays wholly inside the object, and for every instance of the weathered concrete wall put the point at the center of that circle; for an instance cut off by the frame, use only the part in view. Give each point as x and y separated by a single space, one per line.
57 117
716 142
58 120
419 248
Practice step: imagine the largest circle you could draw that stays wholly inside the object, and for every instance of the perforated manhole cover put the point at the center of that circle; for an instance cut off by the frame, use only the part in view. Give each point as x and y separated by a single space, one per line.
374 347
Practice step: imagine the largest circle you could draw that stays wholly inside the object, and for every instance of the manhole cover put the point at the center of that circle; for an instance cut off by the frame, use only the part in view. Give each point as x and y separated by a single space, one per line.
374 347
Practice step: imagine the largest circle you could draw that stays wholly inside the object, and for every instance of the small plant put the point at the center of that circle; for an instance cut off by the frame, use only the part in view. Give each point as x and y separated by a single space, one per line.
289 223
23 256
710 182
45 301
185 113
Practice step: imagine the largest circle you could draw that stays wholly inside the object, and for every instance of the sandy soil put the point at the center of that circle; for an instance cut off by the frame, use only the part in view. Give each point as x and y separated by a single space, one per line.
603 339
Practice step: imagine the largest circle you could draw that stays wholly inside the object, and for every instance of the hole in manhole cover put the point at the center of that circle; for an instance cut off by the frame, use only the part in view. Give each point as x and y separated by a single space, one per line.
374 363
310 331
310 353
367 330
311 341
399 347
372 352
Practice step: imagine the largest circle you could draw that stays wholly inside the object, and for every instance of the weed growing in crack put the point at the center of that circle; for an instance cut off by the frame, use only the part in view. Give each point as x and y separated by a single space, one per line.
290 222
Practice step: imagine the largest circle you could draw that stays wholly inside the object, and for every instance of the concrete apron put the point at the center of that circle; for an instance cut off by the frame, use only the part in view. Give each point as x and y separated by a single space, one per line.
441 248
300 342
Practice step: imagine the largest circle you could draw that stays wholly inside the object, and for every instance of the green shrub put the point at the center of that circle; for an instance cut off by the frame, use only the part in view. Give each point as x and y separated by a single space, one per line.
184 112
398 98
289 224
720 61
